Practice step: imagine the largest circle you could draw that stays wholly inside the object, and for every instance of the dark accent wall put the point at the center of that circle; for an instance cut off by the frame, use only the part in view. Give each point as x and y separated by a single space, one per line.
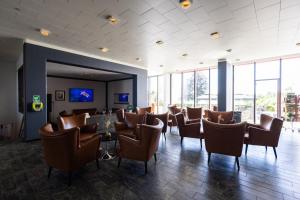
35 59
222 72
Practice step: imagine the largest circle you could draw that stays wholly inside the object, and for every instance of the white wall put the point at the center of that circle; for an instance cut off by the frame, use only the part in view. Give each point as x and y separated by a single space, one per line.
64 84
8 92
123 86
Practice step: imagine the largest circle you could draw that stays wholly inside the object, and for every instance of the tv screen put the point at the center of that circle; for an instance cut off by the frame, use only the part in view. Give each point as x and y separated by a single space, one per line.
81 95
121 98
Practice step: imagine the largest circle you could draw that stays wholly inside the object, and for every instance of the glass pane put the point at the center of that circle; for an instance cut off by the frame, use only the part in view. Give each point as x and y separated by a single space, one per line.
266 98
202 89
152 92
188 89
290 84
268 70
163 93
213 88
176 89
244 91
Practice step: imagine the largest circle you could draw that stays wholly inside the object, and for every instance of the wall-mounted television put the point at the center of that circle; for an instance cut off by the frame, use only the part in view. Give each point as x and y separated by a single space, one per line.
81 95
121 98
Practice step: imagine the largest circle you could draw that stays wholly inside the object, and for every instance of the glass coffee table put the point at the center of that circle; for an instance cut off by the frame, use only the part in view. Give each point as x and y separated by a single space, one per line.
108 139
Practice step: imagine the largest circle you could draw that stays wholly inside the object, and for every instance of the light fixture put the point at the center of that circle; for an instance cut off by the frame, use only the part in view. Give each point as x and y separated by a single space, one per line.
298 44
215 35
138 59
229 50
45 32
184 55
201 63
185 4
161 65
104 49
159 42
112 20
237 60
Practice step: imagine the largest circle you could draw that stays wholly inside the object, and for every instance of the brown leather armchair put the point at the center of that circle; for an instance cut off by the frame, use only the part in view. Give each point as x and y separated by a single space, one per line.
194 113
120 115
163 117
266 134
226 139
64 151
143 111
145 147
220 117
129 125
191 130
173 110
86 131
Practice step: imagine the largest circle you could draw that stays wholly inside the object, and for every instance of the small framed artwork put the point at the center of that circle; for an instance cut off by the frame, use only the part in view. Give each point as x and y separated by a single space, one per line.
59 95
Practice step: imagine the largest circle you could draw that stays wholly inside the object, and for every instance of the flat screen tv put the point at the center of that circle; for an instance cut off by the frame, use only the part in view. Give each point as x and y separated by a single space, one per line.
121 98
81 95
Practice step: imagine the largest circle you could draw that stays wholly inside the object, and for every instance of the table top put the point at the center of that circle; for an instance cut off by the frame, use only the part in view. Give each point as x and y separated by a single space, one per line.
104 138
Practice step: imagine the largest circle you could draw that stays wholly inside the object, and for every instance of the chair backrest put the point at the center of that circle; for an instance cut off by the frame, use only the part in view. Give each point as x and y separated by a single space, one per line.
150 119
180 120
67 122
194 113
143 111
90 111
220 117
59 147
132 119
174 110
150 135
225 139
266 121
120 115
275 129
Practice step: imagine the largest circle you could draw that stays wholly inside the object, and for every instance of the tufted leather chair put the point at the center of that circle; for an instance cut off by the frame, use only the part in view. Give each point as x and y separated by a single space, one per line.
266 134
64 150
143 111
68 122
224 139
220 117
191 130
145 147
163 117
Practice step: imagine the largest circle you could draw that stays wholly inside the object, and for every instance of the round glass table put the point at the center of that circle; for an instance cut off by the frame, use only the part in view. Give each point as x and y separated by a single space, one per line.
108 139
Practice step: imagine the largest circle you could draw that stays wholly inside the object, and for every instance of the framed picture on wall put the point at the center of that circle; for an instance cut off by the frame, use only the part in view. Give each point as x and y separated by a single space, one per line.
59 95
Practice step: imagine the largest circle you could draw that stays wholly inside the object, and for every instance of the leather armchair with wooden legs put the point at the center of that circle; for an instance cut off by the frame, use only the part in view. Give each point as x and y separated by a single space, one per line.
163 117
144 148
266 134
226 139
194 113
173 110
191 130
220 117
86 131
63 150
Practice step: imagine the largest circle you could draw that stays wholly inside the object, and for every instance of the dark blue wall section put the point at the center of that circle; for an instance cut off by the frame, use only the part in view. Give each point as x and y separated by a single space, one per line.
35 59
222 72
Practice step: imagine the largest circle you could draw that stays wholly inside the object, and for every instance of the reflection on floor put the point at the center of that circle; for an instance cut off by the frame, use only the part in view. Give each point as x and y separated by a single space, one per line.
180 173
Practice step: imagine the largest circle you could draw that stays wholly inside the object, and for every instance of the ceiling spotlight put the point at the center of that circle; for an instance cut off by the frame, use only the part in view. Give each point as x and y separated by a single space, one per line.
215 35
159 42
184 55
17 9
138 59
298 44
237 60
201 63
161 65
104 49
185 4
112 20
229 50
45 32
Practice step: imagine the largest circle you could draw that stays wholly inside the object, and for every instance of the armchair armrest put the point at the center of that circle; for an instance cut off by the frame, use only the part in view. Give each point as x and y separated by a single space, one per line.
89 150
125 140
120 126
90 128
258 136
193 121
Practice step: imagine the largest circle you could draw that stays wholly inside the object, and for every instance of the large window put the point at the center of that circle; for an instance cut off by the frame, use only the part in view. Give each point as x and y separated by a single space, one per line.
152 92
213 88
188 89
244 91
202 89
176 89
163 93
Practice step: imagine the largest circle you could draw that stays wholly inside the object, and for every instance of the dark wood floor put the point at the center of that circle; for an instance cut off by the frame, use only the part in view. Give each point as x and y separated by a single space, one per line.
180 173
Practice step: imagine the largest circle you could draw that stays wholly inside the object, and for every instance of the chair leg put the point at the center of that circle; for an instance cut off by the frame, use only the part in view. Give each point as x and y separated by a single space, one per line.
70 179
97 163
266 148
274 148
201 143
237 162
181 140
165 135
49 171
246 150
155 158
119 161
209 155
146 170
170 129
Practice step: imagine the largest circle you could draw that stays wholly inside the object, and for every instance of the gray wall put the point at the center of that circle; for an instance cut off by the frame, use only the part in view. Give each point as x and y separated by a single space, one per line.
64 84
122 86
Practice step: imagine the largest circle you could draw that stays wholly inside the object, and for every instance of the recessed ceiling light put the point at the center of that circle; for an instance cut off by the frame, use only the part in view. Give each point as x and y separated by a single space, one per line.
138 59
185 4
159 42
237 60
215 35
112 20
184 55
161 65
17 9
104 49
229 50
45 32
298 44
201 63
